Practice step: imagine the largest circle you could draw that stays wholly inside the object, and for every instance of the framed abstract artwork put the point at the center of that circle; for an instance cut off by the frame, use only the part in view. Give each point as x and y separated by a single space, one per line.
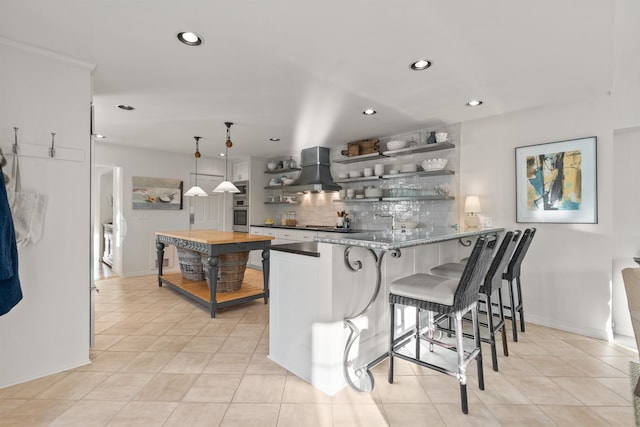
156 193
557 182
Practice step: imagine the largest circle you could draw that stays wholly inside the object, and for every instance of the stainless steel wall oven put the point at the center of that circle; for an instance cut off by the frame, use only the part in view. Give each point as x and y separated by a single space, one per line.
241 207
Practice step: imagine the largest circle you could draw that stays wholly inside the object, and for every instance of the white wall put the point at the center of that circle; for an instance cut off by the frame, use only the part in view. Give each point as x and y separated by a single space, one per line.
567 272
136 246
626 233
48 331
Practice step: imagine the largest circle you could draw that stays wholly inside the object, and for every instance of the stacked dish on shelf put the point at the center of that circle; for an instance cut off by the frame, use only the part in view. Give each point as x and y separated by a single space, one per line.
372 192
396 145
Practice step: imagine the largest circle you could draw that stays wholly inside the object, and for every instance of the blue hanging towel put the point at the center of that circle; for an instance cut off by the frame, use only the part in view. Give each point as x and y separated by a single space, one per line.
10 291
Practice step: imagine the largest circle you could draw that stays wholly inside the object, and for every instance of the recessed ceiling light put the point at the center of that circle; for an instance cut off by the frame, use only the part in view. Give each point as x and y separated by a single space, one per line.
369 112
221 154
421 64
125 107
190 39
274 139
97 135
474 103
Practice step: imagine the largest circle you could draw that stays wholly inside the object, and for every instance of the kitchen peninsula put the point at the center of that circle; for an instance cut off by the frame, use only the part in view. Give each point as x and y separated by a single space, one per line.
214 243
329 317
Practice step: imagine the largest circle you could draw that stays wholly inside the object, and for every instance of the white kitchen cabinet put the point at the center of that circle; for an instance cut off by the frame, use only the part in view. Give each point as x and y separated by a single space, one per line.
255 257
285 235
282 236
240 171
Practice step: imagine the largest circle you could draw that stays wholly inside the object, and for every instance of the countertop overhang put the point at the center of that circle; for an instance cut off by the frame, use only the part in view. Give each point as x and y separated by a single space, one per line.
301 248
314 228
397 239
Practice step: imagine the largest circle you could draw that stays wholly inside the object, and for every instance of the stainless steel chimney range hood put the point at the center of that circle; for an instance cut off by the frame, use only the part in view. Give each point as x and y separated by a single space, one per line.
315 176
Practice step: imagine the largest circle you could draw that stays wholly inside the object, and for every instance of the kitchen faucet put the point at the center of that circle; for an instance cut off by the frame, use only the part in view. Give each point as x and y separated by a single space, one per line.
393 219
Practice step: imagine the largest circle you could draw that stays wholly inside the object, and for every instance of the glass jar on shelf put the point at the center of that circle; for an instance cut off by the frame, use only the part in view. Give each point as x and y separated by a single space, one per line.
288 218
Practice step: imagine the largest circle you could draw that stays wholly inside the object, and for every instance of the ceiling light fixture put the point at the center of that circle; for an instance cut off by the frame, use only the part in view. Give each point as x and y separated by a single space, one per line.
369 112
189 38
421 64
226 186
126 107
196 191
274 139
474 103
97 135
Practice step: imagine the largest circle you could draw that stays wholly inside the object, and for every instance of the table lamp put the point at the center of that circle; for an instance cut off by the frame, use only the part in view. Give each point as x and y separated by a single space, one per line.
471 208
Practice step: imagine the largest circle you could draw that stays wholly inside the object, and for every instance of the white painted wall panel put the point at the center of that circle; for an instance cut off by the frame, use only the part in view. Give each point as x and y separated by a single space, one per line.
48 331
567 272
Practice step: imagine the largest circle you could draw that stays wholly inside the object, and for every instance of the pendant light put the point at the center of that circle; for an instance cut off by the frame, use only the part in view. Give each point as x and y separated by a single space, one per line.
196 191
226 186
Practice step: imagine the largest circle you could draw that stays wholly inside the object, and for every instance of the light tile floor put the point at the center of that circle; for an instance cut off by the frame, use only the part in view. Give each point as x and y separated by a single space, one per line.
159 360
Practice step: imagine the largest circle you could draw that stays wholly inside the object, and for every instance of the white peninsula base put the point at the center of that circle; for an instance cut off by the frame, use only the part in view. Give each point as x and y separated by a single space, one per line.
311 296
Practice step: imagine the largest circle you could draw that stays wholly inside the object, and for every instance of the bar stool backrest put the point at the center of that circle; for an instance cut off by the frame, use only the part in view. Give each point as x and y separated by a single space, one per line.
493 279
474 273
631 278
513 270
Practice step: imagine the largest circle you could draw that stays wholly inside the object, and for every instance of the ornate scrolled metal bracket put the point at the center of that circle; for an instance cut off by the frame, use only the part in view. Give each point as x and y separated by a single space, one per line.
465 242
361 379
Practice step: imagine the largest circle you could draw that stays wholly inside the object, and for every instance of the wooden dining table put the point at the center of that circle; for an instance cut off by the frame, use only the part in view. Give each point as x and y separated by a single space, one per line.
214 243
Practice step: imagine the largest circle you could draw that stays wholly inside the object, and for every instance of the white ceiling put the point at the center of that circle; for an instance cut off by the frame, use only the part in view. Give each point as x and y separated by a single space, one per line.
304 70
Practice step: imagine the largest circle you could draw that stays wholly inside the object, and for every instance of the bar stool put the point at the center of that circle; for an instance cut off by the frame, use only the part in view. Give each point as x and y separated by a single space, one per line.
442 298
513 273
492 284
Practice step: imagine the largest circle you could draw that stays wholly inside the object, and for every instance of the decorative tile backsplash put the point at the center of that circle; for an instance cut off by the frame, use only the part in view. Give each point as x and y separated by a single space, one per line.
321 209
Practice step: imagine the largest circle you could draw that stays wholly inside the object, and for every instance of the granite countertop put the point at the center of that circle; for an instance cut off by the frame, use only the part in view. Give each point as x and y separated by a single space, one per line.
313 228
301 248
396 239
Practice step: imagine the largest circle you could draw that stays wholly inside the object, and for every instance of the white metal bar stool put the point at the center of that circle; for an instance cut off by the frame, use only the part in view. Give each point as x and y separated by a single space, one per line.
441 298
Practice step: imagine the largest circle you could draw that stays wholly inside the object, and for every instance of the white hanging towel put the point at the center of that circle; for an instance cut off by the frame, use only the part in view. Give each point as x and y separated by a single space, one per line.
27 209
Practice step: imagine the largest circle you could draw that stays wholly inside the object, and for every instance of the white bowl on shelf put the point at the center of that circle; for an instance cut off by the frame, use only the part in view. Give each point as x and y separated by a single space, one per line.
396 145
343 175
409 167
372 192
355 174
287 181
394 172
434 164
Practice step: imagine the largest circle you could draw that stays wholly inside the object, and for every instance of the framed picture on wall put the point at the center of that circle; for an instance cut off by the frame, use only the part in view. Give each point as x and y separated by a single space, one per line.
156 193
557 182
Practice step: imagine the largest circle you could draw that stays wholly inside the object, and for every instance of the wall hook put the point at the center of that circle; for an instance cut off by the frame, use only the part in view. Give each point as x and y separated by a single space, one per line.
15 147
52 150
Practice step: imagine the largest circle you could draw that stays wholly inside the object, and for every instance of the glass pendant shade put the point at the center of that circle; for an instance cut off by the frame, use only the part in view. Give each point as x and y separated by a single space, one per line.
226 186
196 191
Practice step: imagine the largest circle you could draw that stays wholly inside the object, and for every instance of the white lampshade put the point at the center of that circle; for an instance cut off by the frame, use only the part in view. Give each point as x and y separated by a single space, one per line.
226 187
196 191
472 205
